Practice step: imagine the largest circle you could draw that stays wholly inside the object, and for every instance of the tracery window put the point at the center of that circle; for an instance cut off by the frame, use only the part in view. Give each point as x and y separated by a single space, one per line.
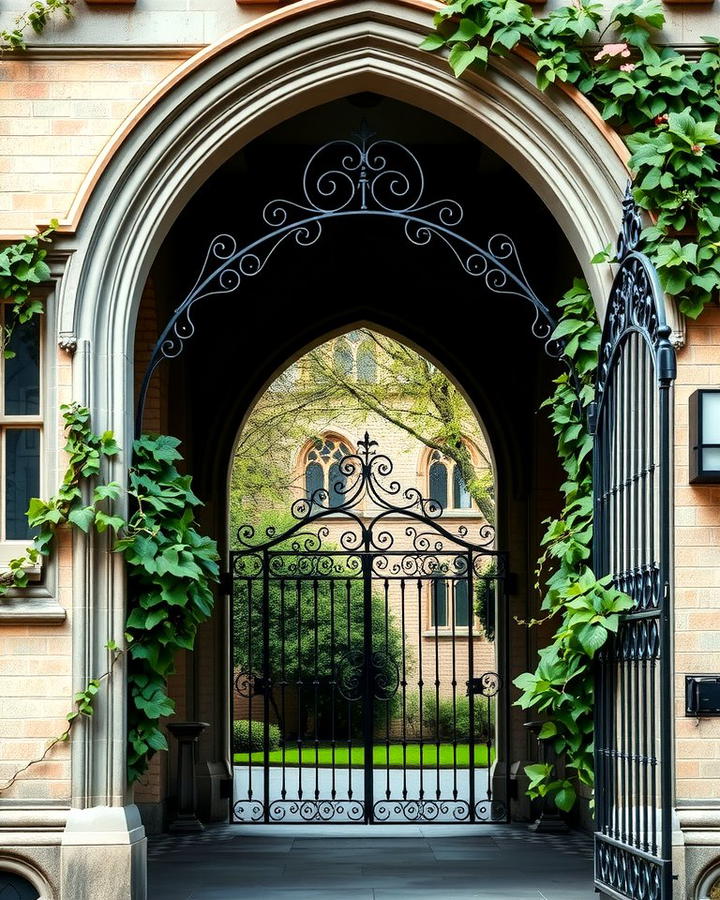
446 484
323 473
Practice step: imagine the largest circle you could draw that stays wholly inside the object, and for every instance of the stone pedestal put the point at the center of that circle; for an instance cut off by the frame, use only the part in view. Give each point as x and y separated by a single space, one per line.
187 734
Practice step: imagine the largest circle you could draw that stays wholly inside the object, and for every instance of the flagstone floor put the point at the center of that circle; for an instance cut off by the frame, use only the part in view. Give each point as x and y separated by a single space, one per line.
382 862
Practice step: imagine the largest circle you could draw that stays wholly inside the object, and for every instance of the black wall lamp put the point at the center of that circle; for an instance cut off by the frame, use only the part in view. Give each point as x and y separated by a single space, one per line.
705 436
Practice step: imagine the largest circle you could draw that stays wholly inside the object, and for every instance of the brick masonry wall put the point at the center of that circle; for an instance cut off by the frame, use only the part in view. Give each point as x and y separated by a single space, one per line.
36 667
697 571
55 117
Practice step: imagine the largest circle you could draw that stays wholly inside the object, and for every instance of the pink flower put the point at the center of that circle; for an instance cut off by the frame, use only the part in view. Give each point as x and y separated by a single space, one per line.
628 67
609 51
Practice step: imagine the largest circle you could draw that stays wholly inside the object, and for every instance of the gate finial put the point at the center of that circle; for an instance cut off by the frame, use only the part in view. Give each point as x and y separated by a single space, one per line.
629 237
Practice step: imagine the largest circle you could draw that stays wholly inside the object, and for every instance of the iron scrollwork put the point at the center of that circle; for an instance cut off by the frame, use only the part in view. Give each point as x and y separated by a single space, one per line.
367 476
384 675
421 810
356 177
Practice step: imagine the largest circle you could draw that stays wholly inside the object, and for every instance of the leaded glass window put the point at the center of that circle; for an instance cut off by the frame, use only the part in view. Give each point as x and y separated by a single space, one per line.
323 471
21 429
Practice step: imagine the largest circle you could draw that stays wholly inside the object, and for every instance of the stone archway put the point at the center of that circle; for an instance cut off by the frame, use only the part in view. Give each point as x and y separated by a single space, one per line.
290 61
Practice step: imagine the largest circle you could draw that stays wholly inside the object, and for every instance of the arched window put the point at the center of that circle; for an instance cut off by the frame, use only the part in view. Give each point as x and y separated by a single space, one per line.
442 474
323 473
438 479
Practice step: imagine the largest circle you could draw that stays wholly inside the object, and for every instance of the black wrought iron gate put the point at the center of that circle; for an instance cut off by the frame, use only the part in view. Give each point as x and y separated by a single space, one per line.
366 682
632 484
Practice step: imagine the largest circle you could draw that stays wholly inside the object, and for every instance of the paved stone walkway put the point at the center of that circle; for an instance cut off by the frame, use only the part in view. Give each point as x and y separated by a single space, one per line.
287 862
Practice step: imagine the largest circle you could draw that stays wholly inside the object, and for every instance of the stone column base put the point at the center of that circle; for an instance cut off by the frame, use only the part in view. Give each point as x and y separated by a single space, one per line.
104 855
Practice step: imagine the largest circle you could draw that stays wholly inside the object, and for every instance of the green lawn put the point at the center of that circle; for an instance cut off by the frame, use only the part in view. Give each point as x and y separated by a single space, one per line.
380 756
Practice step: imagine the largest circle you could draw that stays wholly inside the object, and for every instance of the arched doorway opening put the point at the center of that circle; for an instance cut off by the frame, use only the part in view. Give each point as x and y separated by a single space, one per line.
367 586
356 274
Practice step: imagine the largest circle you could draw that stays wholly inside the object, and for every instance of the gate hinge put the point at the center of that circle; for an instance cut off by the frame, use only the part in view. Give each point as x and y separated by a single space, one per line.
592 416
226 583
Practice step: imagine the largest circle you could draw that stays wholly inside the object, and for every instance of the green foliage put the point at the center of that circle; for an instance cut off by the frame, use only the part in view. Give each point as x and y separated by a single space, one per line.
314 629
34 18
171 569
86 451
22 266
249 737
587 609
666 105
447 720
485 590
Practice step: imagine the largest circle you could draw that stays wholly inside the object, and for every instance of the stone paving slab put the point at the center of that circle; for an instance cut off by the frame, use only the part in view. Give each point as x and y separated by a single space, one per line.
293 862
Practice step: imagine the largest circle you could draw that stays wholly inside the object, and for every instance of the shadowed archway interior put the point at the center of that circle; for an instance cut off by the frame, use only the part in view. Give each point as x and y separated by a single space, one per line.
359 271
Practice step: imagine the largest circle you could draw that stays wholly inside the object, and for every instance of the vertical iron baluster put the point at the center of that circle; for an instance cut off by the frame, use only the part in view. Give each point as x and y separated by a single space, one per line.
645 753
267 686
387 695
333 687
251 688
316 686
348 596
453 684
449 599
666 375
471 699
300 692
283 690
368 688
653 758
421 681
621 750
404 690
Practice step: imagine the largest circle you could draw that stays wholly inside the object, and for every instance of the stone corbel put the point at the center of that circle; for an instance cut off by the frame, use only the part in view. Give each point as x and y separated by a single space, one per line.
67 341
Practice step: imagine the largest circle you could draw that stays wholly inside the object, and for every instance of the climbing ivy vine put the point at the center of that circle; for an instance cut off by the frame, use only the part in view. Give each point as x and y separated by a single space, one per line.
665 104
667 108
35 18
171 568
585 609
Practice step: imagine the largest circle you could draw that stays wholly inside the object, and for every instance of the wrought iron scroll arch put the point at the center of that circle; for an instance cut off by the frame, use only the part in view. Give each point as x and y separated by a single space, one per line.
363 177
369 477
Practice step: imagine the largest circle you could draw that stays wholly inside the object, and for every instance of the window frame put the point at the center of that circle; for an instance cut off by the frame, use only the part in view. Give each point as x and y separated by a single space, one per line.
10 548
325 465
451 628
435 457
38 602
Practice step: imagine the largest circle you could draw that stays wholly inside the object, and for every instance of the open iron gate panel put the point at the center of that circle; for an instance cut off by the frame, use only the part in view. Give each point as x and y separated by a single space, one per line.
358 643
631 481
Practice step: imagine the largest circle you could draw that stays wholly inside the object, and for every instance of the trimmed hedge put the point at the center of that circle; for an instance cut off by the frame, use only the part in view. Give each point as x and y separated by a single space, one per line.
248 736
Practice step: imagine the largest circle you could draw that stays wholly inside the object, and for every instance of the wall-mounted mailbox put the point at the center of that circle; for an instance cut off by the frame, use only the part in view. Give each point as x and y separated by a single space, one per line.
702 695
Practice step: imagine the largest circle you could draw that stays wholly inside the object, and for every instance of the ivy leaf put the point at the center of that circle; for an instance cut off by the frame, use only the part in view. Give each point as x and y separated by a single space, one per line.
462 56
548 730
82 517
592 637
565 798
433 42
103 521
109 491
